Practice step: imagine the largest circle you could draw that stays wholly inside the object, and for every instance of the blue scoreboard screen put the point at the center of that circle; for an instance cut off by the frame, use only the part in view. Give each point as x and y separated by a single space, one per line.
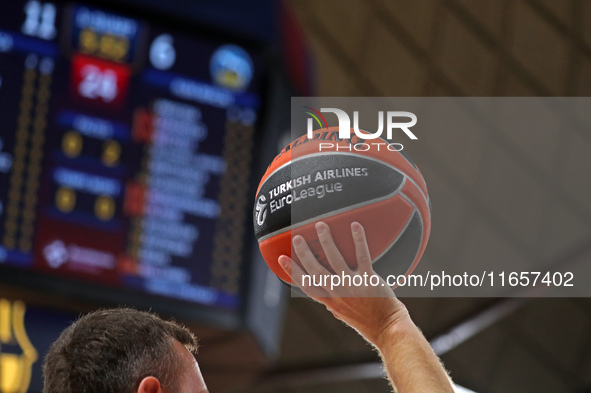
125 152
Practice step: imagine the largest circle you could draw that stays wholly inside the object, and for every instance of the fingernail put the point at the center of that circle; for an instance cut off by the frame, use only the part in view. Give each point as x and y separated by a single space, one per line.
298 240
355 227
320 228
283 261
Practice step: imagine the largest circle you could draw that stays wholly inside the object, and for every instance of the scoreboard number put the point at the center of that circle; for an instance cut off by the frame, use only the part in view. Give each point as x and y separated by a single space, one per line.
97 83
103 45
111 152
39 20
72 144
162 52
65 199
104 207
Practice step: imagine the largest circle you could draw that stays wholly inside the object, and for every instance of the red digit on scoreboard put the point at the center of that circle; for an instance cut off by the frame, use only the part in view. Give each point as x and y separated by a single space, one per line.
99 81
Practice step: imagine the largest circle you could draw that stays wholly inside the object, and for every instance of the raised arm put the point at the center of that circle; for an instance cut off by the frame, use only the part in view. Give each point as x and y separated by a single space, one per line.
373 311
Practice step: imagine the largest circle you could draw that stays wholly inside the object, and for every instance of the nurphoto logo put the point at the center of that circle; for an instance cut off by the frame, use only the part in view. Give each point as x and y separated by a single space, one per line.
392 122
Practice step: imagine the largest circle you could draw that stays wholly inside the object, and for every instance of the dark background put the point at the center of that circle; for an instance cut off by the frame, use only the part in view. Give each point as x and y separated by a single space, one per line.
497 196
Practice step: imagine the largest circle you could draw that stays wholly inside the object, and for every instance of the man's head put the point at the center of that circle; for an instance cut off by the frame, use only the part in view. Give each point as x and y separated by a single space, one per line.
123 351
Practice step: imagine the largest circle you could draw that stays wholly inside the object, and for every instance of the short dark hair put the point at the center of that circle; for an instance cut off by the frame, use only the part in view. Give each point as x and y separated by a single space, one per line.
111 351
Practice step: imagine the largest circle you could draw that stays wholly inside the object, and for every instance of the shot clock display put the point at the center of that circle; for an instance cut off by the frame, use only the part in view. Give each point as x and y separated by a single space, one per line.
125 152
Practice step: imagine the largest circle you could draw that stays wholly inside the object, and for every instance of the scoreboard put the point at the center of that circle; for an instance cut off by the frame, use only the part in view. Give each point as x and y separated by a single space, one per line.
125 152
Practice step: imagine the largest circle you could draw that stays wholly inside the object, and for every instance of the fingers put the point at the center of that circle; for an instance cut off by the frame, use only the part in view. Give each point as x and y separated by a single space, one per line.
361 248
292 269
309 266
335 259
296 273
306 257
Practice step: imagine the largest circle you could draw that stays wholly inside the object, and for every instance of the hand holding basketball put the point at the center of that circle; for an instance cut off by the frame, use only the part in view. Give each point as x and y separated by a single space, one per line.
370 309
381 189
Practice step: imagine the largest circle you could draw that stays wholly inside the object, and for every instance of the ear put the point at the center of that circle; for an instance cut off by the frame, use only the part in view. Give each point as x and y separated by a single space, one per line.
150 385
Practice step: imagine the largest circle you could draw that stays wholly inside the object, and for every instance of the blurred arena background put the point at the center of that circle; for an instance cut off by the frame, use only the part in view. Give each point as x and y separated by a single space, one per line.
494 195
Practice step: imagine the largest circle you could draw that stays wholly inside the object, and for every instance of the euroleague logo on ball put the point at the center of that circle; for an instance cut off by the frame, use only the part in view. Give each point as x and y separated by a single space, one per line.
261 210
364 135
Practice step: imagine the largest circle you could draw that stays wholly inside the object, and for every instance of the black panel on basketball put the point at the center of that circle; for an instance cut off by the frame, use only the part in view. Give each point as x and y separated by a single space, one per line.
306 188
403 252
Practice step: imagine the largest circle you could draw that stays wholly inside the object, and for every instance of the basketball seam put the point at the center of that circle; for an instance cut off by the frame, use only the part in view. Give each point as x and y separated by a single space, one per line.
418 188
413 165
334 212
392 243
422 230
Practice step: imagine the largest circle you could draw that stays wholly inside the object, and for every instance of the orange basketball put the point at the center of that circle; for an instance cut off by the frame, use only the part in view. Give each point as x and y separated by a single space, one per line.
338 182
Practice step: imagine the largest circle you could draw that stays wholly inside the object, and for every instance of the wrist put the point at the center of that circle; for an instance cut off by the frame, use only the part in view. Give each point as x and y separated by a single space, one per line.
397 324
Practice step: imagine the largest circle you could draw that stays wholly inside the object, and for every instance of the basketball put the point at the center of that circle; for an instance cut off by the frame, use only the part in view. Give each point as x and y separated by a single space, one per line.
324 178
